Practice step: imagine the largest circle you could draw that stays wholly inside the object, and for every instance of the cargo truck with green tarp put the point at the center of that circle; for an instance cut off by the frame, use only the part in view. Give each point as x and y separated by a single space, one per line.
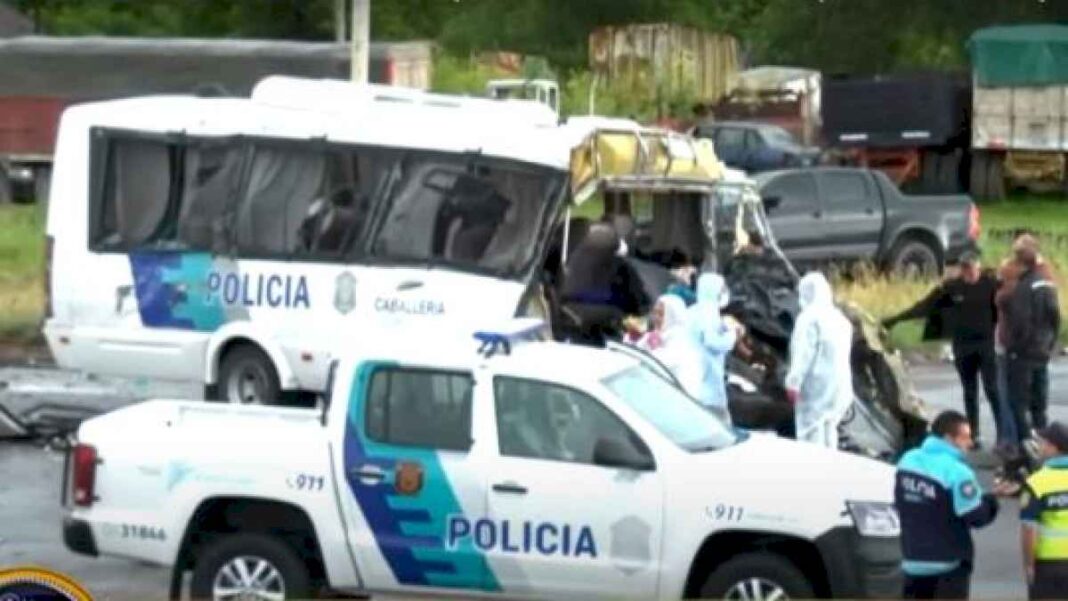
1020 109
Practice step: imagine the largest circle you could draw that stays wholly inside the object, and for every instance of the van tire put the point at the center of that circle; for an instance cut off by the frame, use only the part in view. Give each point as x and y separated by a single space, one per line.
763 570
250 547
247 376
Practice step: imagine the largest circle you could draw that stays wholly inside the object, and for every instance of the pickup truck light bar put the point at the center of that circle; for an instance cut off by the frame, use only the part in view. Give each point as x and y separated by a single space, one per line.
518 330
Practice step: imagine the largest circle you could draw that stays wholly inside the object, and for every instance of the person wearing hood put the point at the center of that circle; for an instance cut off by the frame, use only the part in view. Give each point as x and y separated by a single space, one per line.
714 338
669 341
819 383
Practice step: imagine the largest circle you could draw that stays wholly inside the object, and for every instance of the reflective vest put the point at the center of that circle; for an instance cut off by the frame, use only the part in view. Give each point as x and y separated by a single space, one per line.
1049 485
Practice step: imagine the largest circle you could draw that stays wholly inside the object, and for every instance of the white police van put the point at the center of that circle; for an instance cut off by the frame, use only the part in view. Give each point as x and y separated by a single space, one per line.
241 241
523 470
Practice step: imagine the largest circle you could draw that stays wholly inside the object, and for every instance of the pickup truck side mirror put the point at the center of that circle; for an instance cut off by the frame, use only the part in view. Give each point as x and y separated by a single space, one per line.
612 452
771 202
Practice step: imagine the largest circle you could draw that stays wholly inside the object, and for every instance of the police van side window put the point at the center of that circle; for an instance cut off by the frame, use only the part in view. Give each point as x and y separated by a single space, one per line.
136 192
162 193
281 183
539 420
420 408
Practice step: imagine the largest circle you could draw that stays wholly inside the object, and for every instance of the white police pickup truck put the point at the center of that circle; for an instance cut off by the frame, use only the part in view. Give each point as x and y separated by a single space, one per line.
532 470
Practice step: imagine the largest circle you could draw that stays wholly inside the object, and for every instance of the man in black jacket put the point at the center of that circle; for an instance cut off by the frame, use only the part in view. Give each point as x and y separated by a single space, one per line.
962 309
1032 320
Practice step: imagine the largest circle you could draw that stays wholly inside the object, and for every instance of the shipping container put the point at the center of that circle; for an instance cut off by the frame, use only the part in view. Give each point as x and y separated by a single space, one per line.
40 76
665 58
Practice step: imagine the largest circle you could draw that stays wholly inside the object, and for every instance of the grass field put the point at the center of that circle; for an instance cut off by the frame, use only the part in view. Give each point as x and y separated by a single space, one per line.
21 272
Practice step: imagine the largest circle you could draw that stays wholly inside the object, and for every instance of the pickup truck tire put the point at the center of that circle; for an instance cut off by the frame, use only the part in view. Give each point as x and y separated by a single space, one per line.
248 377
913 257
227 562
757 576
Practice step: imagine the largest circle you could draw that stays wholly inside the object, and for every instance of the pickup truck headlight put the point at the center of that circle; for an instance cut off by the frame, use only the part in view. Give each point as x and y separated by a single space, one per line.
875 519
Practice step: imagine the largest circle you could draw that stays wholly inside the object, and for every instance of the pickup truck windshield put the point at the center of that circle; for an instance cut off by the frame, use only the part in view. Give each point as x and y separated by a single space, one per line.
675 415
475 213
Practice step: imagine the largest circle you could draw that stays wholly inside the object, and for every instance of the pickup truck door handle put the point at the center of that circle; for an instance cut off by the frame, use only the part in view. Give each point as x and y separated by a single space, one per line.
369 474
510 487
869 211
817 214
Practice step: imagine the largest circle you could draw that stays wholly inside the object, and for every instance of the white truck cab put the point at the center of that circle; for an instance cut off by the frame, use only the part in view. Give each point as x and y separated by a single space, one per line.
507 469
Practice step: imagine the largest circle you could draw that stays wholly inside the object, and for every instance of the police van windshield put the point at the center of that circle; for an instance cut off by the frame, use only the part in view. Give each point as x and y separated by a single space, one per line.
675 415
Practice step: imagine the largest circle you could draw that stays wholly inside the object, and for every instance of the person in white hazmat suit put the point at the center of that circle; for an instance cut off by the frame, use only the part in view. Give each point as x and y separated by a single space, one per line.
670 342
715 338
819 383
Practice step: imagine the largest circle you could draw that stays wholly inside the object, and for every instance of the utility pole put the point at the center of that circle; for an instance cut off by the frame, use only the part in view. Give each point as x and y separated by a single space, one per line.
361 40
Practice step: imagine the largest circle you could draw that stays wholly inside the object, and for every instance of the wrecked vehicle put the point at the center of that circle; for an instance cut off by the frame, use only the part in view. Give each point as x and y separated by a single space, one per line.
672 202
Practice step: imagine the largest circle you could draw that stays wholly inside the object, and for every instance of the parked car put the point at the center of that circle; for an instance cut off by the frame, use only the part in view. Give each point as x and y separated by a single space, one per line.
754 147
834 214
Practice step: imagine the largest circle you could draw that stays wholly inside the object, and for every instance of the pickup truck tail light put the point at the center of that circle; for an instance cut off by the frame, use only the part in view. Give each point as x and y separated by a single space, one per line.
974 227
83 481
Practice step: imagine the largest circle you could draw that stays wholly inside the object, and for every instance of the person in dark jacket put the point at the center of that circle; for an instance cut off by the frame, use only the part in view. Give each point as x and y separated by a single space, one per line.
962 309
939 501
1032 320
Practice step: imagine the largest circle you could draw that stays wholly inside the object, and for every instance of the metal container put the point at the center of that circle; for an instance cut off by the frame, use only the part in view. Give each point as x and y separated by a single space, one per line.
665 58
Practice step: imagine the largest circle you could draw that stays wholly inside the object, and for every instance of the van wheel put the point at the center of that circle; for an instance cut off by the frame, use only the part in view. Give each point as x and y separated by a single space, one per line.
250 566
757 577
248 377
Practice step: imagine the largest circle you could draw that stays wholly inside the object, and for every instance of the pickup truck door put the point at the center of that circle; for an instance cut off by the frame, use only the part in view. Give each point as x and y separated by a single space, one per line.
408 463
796 216
853 213
567 528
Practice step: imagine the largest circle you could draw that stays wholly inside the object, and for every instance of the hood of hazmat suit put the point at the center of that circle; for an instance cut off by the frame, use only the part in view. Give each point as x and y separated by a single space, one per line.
713 336
820 347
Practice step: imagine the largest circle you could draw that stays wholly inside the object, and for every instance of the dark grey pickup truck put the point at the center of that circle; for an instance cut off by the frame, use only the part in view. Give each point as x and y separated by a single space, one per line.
840 214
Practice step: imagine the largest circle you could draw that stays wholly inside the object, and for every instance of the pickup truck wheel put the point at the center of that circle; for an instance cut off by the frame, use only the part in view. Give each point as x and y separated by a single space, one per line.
914 258
977 179
248 377
250 566
757 577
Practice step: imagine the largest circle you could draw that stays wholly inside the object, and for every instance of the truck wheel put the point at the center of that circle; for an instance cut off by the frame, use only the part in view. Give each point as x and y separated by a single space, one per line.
995 177
977 176
930 165
7 191
914 258
42 184
949 172
250 566
248 377
753 576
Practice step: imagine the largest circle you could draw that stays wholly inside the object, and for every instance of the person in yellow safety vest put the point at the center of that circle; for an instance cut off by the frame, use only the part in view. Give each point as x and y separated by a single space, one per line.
1044 518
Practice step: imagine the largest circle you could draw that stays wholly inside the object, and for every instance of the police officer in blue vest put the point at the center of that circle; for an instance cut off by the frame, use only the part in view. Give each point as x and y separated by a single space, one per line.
939 501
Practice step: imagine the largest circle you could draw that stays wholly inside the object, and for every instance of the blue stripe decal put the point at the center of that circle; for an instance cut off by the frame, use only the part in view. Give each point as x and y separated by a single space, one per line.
410 530
172 291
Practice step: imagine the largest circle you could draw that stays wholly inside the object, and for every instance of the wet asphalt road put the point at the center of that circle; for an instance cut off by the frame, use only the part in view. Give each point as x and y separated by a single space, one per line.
30 483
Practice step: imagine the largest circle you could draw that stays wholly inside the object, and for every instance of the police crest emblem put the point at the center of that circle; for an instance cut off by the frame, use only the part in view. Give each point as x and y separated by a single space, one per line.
345 293
630 545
